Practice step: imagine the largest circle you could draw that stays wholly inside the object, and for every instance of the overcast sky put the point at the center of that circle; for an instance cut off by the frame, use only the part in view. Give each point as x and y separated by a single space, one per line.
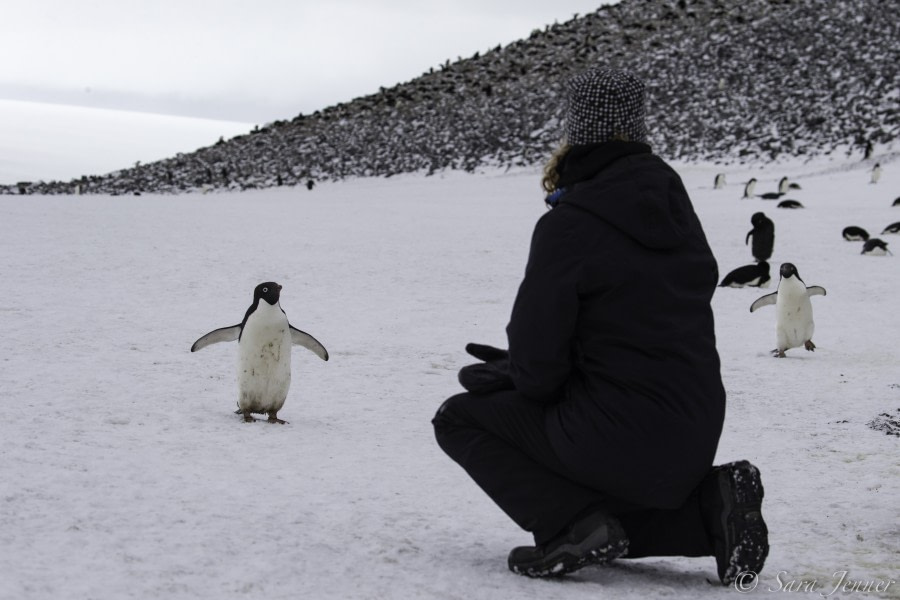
252 61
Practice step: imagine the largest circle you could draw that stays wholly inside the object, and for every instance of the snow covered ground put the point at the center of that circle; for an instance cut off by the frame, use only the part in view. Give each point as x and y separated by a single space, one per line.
125 473
46 142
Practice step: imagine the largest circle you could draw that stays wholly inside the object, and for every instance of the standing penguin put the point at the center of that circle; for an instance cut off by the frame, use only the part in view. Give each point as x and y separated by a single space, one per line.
784 186
794 324
750 188
264 353
876 172
763 233
719 181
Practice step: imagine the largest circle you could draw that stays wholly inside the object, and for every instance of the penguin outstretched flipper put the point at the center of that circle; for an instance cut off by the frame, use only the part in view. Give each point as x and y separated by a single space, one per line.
301 338
764 301
223 334
768 299
815 290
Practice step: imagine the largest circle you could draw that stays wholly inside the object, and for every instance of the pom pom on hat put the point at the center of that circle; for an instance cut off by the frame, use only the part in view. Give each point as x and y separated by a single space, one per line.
604 104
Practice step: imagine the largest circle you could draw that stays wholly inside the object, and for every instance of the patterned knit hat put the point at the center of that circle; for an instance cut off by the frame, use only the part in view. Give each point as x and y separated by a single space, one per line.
602 103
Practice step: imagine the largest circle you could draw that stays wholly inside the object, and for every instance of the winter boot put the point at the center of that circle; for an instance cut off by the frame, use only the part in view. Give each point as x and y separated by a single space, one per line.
731 501
597 538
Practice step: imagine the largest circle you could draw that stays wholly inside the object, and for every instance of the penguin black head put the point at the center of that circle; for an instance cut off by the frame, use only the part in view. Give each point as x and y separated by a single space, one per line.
268 291
789 270
757 219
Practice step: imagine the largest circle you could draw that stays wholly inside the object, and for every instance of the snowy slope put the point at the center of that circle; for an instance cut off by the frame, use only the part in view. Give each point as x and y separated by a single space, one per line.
126 474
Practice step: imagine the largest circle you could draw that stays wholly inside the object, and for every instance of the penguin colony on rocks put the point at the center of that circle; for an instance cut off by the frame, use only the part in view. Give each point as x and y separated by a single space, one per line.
501 107
264 340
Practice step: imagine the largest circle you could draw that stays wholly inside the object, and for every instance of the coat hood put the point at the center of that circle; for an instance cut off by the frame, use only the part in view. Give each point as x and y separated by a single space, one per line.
633 190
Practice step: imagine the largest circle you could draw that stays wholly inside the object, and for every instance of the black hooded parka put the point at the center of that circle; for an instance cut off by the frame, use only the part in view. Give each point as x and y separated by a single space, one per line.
612 328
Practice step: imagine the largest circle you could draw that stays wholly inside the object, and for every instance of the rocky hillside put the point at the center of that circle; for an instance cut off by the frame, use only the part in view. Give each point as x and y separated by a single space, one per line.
728 81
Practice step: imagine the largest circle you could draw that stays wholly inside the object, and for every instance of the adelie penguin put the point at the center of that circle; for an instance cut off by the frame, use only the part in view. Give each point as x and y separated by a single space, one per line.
794 324
876 173
763 234
785 185
264 340
892 228
750 188
875 247
852 233
719 181
789 204
756 275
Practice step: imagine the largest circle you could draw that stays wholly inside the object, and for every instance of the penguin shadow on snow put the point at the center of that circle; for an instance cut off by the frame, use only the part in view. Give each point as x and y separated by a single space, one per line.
794 325
264 340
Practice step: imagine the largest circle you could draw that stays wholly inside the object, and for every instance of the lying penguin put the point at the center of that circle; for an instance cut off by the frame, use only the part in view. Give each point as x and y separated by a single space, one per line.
755 275
875 247
264 353
794 324
853 233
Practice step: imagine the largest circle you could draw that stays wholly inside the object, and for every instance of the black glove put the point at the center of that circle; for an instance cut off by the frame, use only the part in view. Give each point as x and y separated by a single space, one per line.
489 376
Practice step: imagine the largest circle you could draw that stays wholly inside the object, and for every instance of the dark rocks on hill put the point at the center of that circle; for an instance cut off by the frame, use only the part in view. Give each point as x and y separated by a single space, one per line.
728 81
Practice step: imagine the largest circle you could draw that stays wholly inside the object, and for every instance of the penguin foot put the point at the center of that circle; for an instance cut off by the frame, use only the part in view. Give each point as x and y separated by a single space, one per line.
248 418
808 344
273 418
778 353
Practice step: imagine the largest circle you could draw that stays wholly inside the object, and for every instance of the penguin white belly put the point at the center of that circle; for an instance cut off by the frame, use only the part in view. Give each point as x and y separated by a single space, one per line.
794 319
264 360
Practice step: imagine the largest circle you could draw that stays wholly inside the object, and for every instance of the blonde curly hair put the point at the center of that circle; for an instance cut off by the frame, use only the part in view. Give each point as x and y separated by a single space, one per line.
550 180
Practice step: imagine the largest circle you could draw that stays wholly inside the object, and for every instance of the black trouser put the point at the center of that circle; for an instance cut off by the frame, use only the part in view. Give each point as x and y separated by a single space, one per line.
501 441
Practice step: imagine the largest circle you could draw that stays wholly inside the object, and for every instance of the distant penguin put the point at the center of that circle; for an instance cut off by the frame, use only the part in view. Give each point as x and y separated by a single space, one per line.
771 195
867 153
749 188
794 324
876 172
852 233
763 234
264 353
755 275
892 228
784 185
875 247
789 204
719 181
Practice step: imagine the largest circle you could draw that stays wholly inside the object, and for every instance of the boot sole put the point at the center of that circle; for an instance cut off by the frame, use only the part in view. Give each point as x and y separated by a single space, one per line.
746 535
568 558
